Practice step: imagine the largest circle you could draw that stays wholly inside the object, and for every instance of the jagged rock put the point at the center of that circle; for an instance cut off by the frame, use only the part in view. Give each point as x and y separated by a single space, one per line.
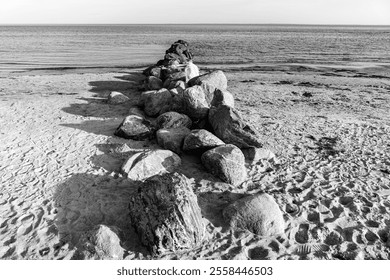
143 165
135 127
200 141
172 138
209 82
259 214
166 215
195 102
173 120
157 102
154 83
230 127
256 154
100 243
117 98
222 97
226 162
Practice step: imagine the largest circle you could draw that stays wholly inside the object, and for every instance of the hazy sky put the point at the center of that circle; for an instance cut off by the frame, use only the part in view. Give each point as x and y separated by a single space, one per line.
196 11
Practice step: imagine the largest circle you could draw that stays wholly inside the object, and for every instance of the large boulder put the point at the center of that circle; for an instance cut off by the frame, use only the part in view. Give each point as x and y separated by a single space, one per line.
154 83
209 83
117 98
100 243
135 127
173 120
166 215
172 138
200 141
177 100
157 102
222 97
143 165
231 128
227 162
195 102
259 214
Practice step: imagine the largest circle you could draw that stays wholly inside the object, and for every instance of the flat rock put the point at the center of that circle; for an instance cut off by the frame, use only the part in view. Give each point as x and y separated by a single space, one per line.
195 103
209 83
117 98
173 120
200 141
136 128
231 128
157 102
172 138
143 165
222 97
226 162
154 83
259 214
166 215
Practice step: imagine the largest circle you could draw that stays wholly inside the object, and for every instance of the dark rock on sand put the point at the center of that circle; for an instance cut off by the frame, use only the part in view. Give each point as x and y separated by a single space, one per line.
226 162
172 138
135 110
143 165
230 127
259 214
196 106
136 128
157 102
200 141
173 120
166 215
209 83
117 98
154 83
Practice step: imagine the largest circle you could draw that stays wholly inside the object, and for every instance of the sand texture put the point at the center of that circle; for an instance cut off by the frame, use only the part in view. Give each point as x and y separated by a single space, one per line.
329 128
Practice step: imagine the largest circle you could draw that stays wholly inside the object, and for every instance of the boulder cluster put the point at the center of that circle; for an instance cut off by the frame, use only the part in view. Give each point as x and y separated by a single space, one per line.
188 113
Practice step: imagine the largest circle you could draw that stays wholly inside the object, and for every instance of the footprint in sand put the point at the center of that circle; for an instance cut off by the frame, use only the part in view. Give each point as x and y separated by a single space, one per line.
26 226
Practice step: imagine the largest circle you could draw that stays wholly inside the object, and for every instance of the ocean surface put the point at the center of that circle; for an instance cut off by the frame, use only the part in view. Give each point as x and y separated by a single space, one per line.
105 46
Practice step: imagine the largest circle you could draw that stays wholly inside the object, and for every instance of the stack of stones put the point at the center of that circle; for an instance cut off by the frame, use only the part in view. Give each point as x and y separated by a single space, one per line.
194 114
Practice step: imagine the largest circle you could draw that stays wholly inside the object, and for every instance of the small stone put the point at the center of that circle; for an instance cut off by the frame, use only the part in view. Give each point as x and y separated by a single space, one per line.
173 120
200 141
117 98
172 138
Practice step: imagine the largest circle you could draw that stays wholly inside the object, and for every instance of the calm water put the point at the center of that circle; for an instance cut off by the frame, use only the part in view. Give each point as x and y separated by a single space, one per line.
40 47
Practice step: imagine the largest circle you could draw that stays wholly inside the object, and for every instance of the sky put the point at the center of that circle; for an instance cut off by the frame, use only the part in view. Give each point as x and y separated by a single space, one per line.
362 12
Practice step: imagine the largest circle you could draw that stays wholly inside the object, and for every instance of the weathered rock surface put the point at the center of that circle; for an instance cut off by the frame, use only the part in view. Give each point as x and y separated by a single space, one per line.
135 127
226 162
209 83
143 165
100 243
259 214
177 101
166 215
256 154
137 111
173 120
200 141
172 138
154 83
195 102
117 98
222 97
230 127
157 102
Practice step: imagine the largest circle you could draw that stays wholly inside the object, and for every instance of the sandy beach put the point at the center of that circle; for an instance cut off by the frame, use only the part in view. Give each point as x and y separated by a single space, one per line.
328 126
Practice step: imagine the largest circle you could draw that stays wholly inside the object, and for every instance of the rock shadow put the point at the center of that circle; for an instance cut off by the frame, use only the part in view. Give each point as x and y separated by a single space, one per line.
84 201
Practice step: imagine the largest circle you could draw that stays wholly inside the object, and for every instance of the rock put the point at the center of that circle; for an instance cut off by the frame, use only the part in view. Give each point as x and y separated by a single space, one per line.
256 154
144 95
135 127
166 215
177 101
117 98
200 141
209 82
172 138
226 162
180 85
230 127
156 72
137 111
191 71
102 243
143 165
173 120
154 83
259 214
222 97
195 102
157 102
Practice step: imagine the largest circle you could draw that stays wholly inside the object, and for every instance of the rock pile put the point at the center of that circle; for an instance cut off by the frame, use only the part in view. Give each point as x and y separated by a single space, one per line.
188 113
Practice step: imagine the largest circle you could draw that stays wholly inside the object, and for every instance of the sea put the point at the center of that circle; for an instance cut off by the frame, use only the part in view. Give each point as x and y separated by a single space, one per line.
61 47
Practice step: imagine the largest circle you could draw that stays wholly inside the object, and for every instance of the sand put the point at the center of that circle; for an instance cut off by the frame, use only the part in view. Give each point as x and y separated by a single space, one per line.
328 126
